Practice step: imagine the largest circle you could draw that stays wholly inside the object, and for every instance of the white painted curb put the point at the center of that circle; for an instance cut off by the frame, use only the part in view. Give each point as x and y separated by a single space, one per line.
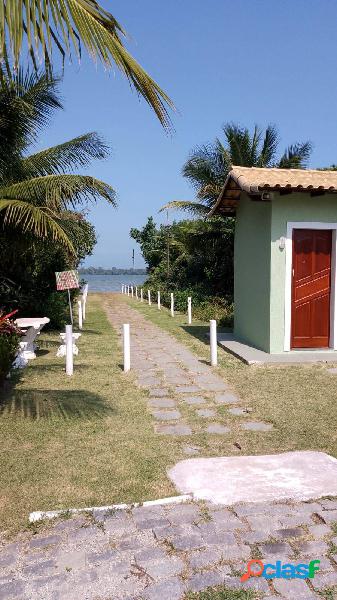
52 514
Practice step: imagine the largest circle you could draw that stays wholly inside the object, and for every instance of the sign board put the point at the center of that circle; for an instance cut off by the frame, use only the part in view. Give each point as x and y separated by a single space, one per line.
67 280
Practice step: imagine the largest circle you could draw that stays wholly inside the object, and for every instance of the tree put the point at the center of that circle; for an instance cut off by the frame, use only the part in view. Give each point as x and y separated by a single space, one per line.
37 190
152 242
66 25
28 265
209 165
201 253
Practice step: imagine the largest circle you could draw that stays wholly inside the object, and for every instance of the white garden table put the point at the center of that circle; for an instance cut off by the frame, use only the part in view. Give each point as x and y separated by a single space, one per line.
31 327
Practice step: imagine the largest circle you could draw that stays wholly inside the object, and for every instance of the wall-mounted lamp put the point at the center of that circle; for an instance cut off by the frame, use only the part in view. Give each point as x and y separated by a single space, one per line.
282 243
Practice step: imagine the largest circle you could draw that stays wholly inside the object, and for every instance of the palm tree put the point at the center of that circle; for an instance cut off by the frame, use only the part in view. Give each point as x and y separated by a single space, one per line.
66 26
37 190
209 165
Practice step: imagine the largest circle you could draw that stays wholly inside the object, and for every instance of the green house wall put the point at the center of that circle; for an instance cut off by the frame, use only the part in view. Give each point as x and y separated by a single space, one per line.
260 264
252 272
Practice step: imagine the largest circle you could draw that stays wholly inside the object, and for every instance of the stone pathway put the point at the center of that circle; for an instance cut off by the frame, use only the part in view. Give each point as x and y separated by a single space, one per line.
161 552
185 392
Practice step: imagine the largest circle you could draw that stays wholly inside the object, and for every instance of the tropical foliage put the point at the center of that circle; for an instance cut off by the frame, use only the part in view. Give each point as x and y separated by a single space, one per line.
191 258
42 228
208 165
65 27
9 343
36 190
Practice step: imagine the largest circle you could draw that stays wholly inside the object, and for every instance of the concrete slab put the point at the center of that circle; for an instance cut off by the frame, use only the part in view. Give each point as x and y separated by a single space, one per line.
252 356
257 426
301 475
217 428
206 412
237 411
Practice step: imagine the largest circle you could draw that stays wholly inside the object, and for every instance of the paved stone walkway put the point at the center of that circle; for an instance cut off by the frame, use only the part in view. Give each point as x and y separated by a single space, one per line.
185 392
161 552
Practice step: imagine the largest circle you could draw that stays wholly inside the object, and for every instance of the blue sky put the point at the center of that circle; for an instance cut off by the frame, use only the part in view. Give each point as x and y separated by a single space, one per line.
246 61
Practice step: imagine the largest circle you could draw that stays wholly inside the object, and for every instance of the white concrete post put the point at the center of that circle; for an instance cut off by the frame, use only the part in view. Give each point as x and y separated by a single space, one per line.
149 296
172 305
158 293
122 289
84 300
136 293
141 295
189 310
80 319
126 347
128 290
69 350
132 291
213 343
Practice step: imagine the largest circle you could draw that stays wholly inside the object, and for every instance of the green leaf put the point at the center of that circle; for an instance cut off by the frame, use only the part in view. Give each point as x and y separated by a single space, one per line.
44 26
34 220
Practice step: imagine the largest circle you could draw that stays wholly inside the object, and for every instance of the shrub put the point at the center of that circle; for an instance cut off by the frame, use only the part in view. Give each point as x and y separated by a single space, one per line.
9 344
204 306
216 308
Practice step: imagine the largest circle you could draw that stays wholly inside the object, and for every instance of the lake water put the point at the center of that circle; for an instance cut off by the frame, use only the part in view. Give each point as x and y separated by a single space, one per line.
112 283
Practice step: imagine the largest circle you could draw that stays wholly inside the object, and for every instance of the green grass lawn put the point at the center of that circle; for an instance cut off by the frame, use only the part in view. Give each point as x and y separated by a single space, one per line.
300 401
79 441
89 439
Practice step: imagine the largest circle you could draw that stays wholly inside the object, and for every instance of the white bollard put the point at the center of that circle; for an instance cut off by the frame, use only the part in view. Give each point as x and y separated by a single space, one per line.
149 296
69 350
158 294
172 305
80 319
213 343
126 347
128 290
136 293
132 291
189 310
85 292
122 289
83 307
141 295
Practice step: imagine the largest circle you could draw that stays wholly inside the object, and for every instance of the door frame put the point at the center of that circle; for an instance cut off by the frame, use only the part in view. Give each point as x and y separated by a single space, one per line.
291 225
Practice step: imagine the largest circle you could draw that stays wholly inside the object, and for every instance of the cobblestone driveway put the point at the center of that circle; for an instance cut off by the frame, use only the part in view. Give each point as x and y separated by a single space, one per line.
160 552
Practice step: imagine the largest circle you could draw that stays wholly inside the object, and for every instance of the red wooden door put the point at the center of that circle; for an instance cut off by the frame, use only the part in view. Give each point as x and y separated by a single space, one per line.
311 284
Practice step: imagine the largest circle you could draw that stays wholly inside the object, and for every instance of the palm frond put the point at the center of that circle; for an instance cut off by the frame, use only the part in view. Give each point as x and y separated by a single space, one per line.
195 208
296 156
60 192
64 25
64 157
254 146
207 169
34 220
239 144
26 104
269 147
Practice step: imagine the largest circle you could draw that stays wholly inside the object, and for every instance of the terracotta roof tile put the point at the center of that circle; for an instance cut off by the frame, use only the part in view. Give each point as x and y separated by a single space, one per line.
255 180
252 179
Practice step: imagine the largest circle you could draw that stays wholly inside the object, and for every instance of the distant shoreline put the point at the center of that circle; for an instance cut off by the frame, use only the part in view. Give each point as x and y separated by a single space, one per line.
112 271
